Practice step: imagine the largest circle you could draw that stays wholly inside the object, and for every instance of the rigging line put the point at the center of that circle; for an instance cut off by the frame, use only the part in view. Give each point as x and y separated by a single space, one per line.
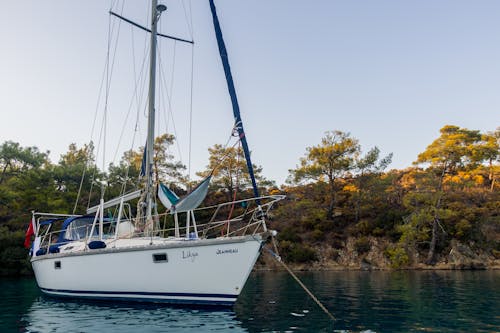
219 162
81 180
127 170
137 128
112 4
99 95
164 83
95 168
124 185
235 187
146 29
108 83
168 93
134 96
108 78
91 136
103 124
189 23
172 75
103 73
162 77
191 115
174 57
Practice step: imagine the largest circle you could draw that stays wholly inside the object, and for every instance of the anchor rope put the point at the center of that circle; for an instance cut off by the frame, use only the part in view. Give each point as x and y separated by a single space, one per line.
314 298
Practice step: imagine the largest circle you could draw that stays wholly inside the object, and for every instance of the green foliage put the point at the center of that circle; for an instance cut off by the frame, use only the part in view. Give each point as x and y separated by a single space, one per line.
229 171
362 245
289 234
14 159
297 252
337 194
456 147
398 256
14 258
317 235
364 227
417 209
329 162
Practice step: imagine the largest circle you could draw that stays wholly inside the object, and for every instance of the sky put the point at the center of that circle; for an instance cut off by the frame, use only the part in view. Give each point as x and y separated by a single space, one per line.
391 73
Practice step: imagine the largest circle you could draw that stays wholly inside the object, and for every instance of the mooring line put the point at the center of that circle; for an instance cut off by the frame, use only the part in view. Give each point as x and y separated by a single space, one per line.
278 259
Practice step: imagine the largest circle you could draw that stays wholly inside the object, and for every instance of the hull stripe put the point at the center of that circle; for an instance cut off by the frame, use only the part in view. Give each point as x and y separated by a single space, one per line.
137 293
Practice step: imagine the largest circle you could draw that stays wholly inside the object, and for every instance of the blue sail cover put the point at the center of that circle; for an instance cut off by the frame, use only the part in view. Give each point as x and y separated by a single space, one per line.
167 197
191 201
234 100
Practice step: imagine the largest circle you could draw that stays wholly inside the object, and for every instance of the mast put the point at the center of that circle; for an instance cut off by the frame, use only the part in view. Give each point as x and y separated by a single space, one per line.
147 160
156 11
234 100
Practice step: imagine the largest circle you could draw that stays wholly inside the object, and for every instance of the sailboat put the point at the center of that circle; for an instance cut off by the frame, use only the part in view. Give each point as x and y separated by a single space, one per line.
101 257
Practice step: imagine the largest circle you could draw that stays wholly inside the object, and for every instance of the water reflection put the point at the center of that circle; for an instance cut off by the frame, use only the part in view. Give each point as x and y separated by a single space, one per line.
402 301
80 316
434 301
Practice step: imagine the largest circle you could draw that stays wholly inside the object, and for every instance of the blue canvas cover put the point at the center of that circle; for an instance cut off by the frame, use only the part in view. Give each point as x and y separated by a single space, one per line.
75 228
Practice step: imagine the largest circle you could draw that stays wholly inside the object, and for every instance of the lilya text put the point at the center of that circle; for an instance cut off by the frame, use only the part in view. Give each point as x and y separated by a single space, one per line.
189 255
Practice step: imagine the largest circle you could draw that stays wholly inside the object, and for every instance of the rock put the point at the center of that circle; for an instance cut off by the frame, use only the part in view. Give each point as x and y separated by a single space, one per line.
365 265
462 257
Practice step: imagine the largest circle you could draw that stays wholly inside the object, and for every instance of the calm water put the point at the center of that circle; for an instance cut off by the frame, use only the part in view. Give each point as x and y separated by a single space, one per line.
441 301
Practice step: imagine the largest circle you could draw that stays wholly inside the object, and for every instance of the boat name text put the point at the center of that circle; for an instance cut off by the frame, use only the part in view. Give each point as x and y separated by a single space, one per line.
189 255
226 251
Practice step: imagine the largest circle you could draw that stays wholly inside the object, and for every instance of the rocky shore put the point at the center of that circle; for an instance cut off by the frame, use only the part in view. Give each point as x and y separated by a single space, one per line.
459 257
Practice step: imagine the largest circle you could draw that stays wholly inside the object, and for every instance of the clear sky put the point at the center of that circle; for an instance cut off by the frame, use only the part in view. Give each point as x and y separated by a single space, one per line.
391 73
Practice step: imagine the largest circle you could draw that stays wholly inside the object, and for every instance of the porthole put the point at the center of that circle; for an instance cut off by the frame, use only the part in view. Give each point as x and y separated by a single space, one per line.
57 264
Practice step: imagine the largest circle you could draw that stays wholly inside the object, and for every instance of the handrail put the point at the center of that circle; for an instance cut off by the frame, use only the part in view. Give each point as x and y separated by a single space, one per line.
252 219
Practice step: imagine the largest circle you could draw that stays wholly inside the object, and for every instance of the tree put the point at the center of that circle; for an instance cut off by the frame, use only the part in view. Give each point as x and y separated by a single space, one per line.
164 166
489 151
329 161
456 148
125 175
20 192
73 177
230 172
15 159
366 167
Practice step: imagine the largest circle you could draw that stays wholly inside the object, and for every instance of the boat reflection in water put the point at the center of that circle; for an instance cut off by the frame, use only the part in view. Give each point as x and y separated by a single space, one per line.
59 315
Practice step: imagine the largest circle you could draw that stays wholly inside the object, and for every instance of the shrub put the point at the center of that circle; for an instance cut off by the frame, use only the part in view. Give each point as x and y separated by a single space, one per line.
363 227
337 243
317 235
362 245
289 234
298 253
398 256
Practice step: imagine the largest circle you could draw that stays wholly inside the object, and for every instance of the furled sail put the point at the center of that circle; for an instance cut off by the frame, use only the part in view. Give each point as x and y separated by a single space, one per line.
191 201
234 99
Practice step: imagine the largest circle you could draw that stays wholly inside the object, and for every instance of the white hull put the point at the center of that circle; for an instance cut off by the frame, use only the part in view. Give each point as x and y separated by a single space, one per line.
208 271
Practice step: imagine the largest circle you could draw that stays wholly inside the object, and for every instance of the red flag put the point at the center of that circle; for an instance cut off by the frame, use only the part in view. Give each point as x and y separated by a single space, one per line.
27 238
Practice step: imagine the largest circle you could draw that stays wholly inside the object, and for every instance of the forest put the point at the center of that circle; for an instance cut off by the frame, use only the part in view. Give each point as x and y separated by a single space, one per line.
344 209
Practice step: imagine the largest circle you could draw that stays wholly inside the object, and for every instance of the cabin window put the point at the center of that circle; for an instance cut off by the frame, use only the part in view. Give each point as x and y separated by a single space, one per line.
160 257
57 264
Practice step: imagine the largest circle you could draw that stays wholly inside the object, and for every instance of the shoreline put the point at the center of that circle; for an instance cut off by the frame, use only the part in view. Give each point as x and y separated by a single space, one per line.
269 264
353 269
